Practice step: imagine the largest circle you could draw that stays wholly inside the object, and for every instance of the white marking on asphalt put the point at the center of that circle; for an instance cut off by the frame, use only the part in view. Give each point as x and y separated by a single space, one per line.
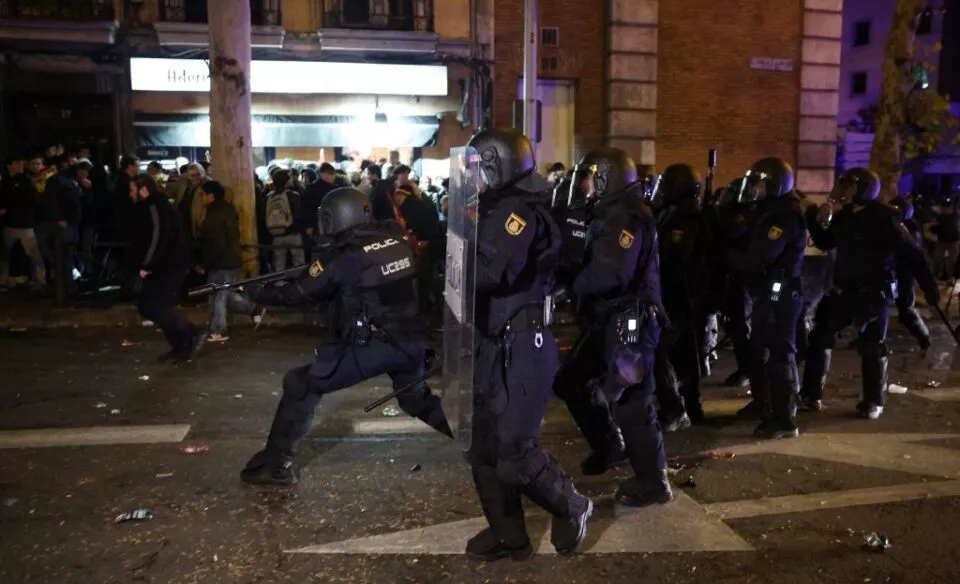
835 500
681 526
398 425
93 436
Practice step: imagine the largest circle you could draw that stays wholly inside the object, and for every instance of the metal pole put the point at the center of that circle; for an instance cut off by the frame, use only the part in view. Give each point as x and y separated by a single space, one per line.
530 34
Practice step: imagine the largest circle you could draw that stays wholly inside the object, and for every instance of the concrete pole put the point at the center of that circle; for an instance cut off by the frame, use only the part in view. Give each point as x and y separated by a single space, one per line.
531 33
230 123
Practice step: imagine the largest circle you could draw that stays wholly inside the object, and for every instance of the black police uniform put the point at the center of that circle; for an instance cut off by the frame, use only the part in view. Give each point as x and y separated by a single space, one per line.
608 380
569 211
368 280
773 267
906 299
159 246
867 237
685 242
516 356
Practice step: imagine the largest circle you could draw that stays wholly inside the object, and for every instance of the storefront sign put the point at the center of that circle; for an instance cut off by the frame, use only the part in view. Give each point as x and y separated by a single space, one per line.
295 77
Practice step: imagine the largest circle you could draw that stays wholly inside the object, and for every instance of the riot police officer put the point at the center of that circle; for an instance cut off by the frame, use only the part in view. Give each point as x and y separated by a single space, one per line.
773 266
685 245
906 282
608 381
867 236
368 278
516 357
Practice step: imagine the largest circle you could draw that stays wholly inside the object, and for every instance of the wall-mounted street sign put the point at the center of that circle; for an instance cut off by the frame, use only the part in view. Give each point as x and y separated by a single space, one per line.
768 64
295 77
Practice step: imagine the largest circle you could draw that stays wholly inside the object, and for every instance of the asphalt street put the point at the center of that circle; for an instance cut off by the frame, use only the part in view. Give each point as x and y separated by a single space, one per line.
91 426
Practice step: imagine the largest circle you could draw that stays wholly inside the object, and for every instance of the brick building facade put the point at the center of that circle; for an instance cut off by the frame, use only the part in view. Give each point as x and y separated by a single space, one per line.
667 81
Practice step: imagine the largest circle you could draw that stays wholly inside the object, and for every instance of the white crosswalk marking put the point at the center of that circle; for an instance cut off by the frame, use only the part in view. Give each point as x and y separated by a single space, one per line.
93 436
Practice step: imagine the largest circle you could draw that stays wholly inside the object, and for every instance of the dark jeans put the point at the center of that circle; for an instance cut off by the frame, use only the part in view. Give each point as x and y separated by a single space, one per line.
158 302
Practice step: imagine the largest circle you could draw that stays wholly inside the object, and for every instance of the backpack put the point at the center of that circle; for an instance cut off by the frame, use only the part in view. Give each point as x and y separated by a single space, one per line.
279 216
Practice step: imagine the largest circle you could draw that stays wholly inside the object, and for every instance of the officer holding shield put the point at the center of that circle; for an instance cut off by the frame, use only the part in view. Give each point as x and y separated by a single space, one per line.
773 267
518 245
868 237
368 281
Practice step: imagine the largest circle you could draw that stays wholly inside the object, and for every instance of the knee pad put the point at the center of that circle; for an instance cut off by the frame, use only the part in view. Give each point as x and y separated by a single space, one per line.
521 465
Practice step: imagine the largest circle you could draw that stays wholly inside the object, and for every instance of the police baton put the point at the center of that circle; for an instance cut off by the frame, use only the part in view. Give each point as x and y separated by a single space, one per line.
374 405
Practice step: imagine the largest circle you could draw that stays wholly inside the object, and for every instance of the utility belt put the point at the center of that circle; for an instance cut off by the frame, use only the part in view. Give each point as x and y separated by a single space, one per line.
889 290
776 288
531 318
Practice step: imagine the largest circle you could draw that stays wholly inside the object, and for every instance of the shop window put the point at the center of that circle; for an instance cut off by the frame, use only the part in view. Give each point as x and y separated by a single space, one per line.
858 83
402 15
861 33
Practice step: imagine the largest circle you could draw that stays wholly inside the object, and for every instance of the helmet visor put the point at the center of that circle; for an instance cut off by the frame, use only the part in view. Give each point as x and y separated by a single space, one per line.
582 183
754 187
326 222
844 191
654 191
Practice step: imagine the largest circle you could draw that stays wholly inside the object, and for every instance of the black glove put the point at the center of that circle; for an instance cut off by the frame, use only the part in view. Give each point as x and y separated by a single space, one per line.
932 296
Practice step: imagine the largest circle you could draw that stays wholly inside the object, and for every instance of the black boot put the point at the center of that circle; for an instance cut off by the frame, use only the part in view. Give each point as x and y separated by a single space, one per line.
737 379
636 492
755 410
568 533
775 429
487 547
597 463
506 536
268 469
420 403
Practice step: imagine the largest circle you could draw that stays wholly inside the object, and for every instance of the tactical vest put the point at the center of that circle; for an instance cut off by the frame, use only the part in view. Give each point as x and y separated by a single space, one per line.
385 294
524 299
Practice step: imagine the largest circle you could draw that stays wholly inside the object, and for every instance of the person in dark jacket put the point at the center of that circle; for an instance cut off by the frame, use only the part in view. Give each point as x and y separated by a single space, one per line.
161 258
314 195
423 222
220 259
947 247
381 198
18 204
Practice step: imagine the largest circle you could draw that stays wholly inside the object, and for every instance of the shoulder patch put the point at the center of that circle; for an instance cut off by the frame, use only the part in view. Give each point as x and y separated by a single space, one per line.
316 268
626 239
774 233
515 225
676 236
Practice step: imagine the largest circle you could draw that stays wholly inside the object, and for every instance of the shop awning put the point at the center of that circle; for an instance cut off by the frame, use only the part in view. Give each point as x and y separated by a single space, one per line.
189 130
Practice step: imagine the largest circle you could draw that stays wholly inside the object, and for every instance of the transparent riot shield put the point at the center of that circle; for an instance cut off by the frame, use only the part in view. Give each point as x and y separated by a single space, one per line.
458 329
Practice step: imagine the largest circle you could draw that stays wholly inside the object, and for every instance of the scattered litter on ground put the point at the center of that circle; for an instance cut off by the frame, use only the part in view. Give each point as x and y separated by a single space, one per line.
274 393
215 558
896 389
933 384
17 329
689 483
238 396
144 378
415 468
163 475
390 412
204 394
139 514
877 542
114 412
718 455
127 343
10 501
194 449
100 405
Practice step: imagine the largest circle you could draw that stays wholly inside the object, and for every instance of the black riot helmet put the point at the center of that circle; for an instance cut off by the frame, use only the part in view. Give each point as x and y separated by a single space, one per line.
857 185
561 193
343 209
676 183
768 178
611 171
730 195
506 159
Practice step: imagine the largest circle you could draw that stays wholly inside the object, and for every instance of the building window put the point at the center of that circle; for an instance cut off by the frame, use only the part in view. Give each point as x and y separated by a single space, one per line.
925 21
548 64
861 33
858 83
550 36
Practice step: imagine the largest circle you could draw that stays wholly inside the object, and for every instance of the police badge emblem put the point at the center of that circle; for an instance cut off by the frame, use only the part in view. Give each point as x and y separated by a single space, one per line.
514 224
316 268
774 233
626 239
